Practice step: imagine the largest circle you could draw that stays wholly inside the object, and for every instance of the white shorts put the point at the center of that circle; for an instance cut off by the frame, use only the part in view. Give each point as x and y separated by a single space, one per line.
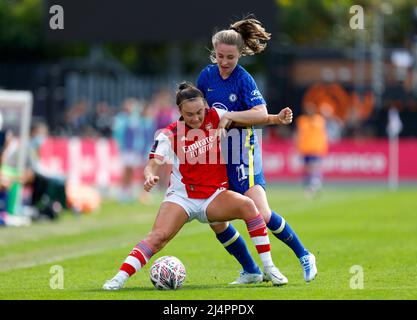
195 208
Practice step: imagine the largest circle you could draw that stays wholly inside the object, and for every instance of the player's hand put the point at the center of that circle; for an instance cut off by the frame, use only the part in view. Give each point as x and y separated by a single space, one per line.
285 116
150 182
224 124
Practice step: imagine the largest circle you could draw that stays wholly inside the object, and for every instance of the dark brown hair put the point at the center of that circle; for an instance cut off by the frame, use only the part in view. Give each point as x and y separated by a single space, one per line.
187 91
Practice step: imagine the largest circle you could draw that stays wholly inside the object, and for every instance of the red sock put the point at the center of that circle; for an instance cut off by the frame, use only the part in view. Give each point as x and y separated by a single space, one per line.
137 258
258 233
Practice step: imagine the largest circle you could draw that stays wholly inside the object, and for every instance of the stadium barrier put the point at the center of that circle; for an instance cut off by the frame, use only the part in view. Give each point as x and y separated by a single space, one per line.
96 161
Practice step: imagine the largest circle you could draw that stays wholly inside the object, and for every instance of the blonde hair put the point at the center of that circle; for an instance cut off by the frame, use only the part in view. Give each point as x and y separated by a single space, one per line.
248 35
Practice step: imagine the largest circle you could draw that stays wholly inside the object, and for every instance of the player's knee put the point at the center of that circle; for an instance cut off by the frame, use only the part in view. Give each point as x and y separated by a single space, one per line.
248 208
219 227
158 239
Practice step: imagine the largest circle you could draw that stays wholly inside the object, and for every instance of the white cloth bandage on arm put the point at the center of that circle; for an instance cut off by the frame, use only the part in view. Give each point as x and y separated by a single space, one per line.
162 149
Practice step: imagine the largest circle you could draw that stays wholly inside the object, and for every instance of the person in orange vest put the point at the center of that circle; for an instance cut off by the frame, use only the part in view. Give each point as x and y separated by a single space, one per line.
312 145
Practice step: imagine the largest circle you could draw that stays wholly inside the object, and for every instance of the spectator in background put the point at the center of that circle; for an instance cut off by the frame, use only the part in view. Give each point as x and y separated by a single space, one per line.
126 127
312 145
103 120
4 184
51 193
165 111
147 128
146 133
76 119
334 125
48 195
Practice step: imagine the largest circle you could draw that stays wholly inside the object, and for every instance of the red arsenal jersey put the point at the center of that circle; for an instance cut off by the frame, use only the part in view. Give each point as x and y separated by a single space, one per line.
198 169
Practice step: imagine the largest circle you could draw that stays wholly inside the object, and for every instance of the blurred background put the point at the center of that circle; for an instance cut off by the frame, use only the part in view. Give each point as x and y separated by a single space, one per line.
115 66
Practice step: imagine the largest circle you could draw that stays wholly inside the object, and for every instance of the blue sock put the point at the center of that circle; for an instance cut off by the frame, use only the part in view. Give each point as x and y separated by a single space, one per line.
282 230
236 246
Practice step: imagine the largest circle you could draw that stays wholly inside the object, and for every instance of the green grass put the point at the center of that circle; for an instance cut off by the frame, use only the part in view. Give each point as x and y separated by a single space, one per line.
370 227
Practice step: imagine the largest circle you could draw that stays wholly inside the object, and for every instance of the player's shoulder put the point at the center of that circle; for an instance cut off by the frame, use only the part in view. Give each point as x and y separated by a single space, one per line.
242 72
208 71
210 68
169 131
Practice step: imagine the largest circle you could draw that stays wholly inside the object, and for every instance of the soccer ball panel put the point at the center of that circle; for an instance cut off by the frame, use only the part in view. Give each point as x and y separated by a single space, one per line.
167 273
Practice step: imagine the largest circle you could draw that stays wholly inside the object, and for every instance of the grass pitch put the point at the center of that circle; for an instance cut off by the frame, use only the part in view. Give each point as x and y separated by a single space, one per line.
357 234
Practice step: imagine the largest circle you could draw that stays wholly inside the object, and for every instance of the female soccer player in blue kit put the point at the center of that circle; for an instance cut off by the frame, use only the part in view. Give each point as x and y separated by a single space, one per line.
228 85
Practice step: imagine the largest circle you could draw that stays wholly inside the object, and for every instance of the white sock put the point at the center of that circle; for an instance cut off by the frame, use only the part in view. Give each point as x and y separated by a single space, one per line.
121 276
266 259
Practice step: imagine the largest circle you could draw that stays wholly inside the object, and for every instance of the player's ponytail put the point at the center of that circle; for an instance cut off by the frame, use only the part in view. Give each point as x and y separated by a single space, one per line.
187 91
248 35
253 33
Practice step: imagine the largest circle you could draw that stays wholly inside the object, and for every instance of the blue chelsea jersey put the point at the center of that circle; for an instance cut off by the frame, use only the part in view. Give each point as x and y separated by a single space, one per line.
236 93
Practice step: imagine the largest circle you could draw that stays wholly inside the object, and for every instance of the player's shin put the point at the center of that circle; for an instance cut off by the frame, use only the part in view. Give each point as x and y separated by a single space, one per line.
259 235
234 243
283 231
136 259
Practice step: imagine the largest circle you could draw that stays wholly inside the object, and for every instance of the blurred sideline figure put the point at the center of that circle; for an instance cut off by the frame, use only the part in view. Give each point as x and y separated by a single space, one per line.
4 183
312 145
126 133
165 112
164 109
146 135
48 196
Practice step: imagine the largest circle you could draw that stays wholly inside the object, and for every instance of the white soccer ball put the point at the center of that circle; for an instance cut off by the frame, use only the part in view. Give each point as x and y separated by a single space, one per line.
167 273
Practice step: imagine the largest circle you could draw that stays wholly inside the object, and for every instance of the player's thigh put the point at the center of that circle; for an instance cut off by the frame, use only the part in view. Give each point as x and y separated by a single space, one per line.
170 219
258 195
230 205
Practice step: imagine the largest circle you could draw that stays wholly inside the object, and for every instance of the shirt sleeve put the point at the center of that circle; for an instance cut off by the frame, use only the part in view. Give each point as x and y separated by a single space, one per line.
161 149
220 112
251 95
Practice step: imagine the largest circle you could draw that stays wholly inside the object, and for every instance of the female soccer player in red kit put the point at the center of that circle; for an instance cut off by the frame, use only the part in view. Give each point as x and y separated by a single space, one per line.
198 184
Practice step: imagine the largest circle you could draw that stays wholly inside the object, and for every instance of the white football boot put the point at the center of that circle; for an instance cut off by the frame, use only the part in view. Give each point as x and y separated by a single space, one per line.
308 263
246 278
273 274
113 284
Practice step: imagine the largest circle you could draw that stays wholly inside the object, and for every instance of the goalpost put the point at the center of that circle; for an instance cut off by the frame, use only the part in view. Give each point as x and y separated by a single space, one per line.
16 113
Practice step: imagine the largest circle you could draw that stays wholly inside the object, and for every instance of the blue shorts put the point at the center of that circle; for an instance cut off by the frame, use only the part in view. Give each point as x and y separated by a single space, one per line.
310 159
241 182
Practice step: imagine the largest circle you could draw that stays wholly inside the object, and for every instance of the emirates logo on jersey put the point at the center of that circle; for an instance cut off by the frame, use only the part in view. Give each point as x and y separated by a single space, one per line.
199 147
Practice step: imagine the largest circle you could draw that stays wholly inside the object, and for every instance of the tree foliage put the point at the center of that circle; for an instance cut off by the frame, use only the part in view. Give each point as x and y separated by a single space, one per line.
20 23
326 22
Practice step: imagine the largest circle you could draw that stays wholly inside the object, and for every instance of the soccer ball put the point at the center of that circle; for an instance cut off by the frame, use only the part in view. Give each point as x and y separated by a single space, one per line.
167 273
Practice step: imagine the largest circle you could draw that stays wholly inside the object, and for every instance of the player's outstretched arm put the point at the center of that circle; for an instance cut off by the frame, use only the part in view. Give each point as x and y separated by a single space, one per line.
283 117
258 115
245 118
149 173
